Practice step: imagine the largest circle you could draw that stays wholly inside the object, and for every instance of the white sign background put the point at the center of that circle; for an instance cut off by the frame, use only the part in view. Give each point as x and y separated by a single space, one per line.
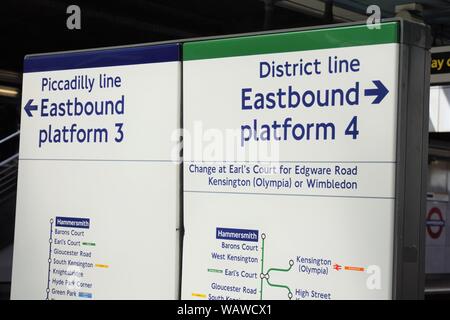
348 227
128 190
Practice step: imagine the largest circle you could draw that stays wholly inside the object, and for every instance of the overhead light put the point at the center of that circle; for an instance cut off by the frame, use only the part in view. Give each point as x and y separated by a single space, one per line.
8 91
9 77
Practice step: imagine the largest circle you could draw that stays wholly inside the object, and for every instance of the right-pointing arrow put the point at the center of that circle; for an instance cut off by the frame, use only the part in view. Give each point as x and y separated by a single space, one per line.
30 107
380 91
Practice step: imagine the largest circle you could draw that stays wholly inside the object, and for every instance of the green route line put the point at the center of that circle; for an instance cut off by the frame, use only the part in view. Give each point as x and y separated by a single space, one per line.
281 270
279 286
215 270
266 275
262 267
89 244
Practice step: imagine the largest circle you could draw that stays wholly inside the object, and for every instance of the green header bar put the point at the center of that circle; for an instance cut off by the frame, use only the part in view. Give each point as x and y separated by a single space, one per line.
339 37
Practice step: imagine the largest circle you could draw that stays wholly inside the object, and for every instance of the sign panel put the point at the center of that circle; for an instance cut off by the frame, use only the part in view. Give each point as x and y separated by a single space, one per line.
97 204
290 162
440 64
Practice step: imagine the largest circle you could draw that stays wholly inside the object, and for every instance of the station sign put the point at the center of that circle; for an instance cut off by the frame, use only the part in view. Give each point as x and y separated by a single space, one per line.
440 65
98 187
292 164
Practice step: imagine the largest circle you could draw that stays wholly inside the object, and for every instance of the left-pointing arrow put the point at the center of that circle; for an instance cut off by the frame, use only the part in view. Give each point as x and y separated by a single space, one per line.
30 107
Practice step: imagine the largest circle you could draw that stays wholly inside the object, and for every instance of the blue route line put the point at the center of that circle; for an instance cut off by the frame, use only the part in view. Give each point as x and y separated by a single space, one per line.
49 258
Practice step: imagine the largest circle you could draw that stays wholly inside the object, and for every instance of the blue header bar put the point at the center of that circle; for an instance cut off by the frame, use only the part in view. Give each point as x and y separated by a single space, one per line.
70 222
237 234
103 58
